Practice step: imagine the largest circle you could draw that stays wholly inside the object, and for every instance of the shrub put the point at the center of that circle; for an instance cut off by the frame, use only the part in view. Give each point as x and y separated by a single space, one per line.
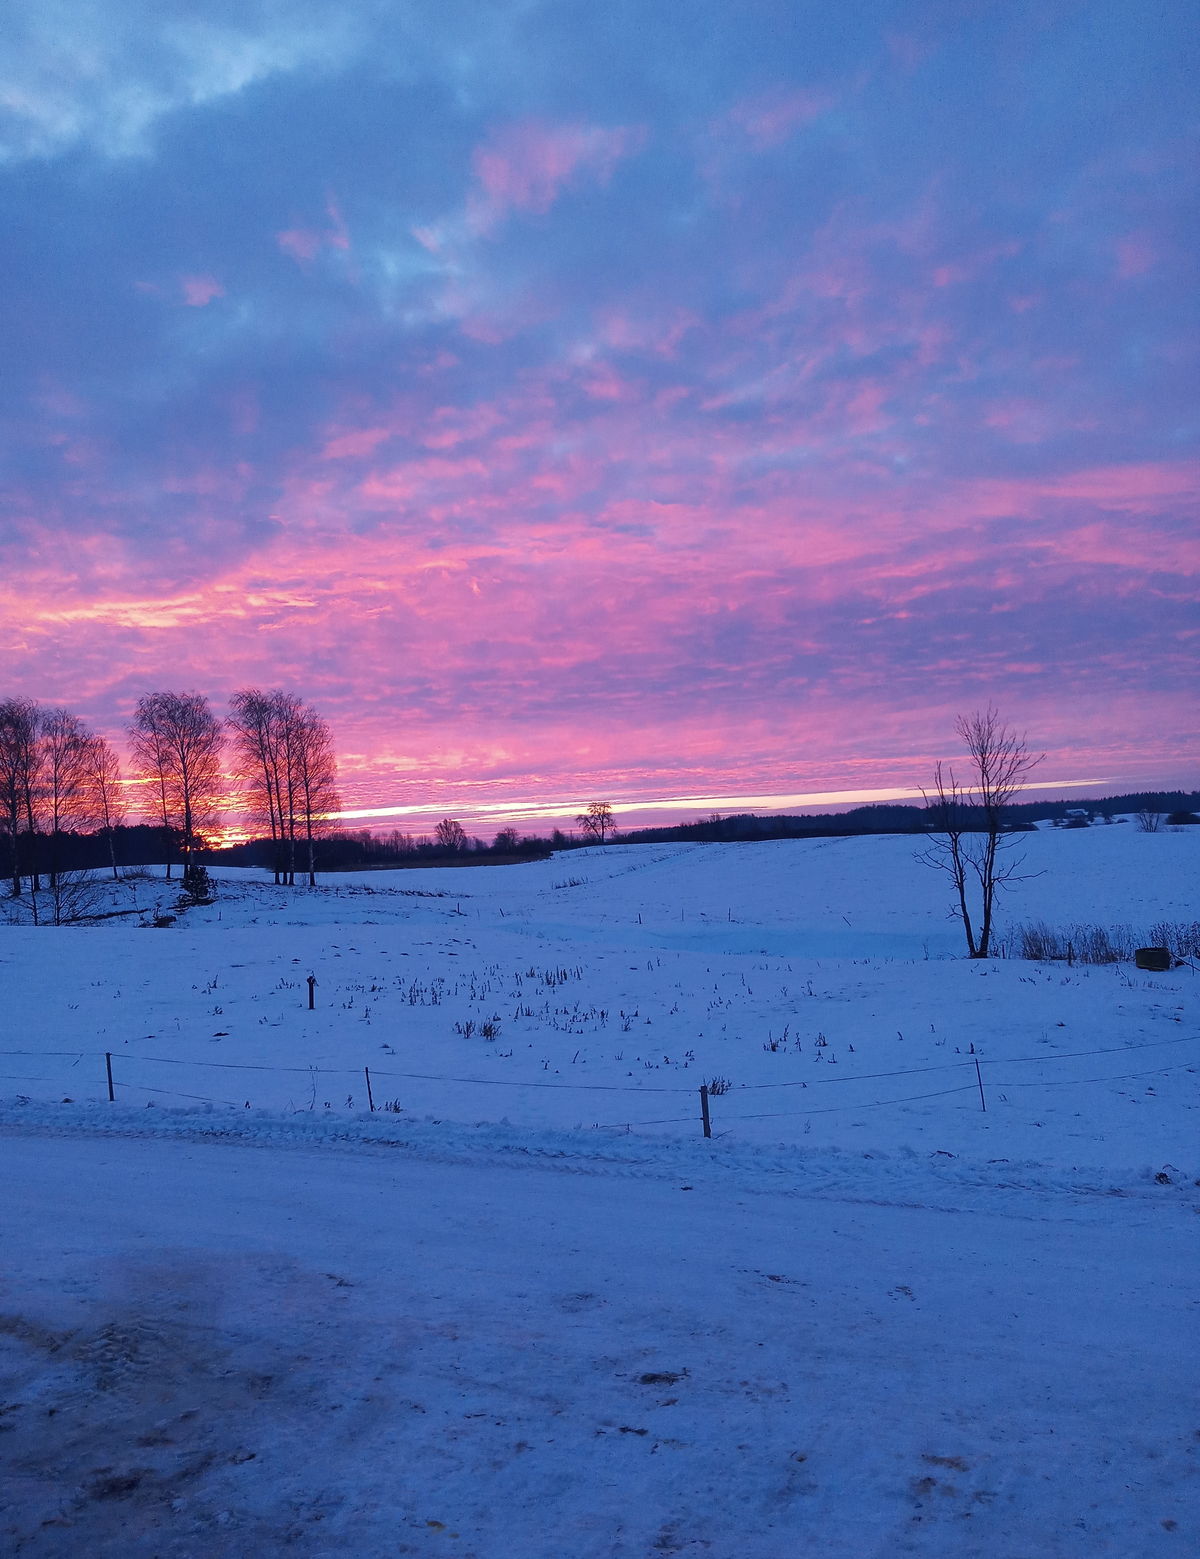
197 887
1091 944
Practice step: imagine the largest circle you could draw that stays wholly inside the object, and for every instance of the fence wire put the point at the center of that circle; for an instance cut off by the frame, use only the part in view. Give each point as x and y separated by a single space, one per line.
370 1074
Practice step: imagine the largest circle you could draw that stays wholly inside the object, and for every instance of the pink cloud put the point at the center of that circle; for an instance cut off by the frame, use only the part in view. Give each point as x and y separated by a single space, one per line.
772 117
625 332
1136 255
909 52
862 410
199 290
453 425
362 441
559 528
416 477
1139 488
603 383
526 166
1023 421
550 597
304 244
432 239
336 234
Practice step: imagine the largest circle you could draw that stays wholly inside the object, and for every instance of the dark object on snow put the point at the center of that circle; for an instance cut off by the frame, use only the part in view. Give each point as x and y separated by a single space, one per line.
1157 959
197 889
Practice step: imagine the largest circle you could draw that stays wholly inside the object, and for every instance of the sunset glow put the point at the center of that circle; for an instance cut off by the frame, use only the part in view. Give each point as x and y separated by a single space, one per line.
694 406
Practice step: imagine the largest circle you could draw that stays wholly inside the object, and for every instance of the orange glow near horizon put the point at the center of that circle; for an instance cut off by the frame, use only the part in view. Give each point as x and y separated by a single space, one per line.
411 649
682 808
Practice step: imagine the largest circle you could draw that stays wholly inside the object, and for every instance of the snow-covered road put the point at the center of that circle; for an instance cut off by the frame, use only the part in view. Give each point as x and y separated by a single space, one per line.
223 1349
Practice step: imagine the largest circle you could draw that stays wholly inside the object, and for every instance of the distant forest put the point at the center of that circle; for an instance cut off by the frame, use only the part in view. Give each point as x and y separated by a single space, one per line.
1172 806
146 845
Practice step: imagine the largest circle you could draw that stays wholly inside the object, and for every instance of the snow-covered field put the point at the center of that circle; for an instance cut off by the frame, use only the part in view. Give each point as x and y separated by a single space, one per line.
525 1308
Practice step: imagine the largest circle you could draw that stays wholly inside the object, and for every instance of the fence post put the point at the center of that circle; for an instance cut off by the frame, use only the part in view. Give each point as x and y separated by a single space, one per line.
370 1095
979 1080
704 1109
112 1098
312 986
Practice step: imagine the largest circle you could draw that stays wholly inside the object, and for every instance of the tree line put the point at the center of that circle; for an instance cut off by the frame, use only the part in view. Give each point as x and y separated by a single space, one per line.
56 777
271 759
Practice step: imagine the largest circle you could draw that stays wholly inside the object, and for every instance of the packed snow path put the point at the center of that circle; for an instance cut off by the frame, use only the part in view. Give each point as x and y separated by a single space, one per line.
220 1349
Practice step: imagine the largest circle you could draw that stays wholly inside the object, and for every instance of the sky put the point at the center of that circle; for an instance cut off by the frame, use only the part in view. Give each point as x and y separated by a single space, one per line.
641 400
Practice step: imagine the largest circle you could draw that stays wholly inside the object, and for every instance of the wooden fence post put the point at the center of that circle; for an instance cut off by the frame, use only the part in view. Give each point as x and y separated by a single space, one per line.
108 1068
370 1095
704 1109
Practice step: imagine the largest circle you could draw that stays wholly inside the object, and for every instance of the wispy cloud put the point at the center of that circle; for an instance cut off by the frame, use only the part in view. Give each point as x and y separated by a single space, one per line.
525 167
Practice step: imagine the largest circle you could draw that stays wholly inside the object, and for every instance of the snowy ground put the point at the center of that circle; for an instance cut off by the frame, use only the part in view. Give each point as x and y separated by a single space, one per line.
867 1318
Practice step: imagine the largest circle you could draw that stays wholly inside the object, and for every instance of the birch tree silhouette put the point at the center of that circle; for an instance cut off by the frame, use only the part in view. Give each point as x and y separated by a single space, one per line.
176 741
283 755
20 759
59 804
104 798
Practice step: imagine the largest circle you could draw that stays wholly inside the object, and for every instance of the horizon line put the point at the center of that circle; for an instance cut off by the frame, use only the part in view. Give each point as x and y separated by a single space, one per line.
774 802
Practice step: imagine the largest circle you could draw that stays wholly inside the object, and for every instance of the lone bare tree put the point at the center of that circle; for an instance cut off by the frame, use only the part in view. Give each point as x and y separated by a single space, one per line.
966 819
597 821
450 835
176 741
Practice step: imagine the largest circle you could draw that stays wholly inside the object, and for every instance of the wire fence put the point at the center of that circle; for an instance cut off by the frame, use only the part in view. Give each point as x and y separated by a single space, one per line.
111 1074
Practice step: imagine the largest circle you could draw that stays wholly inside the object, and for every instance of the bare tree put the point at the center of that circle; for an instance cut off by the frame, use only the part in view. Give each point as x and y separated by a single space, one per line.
20 758
597 821
42 799
63 741
104 795
450 835
103 798
256 723
284 757
151 760
967 820
1148 821
317 799
63 805
176 742
947 810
